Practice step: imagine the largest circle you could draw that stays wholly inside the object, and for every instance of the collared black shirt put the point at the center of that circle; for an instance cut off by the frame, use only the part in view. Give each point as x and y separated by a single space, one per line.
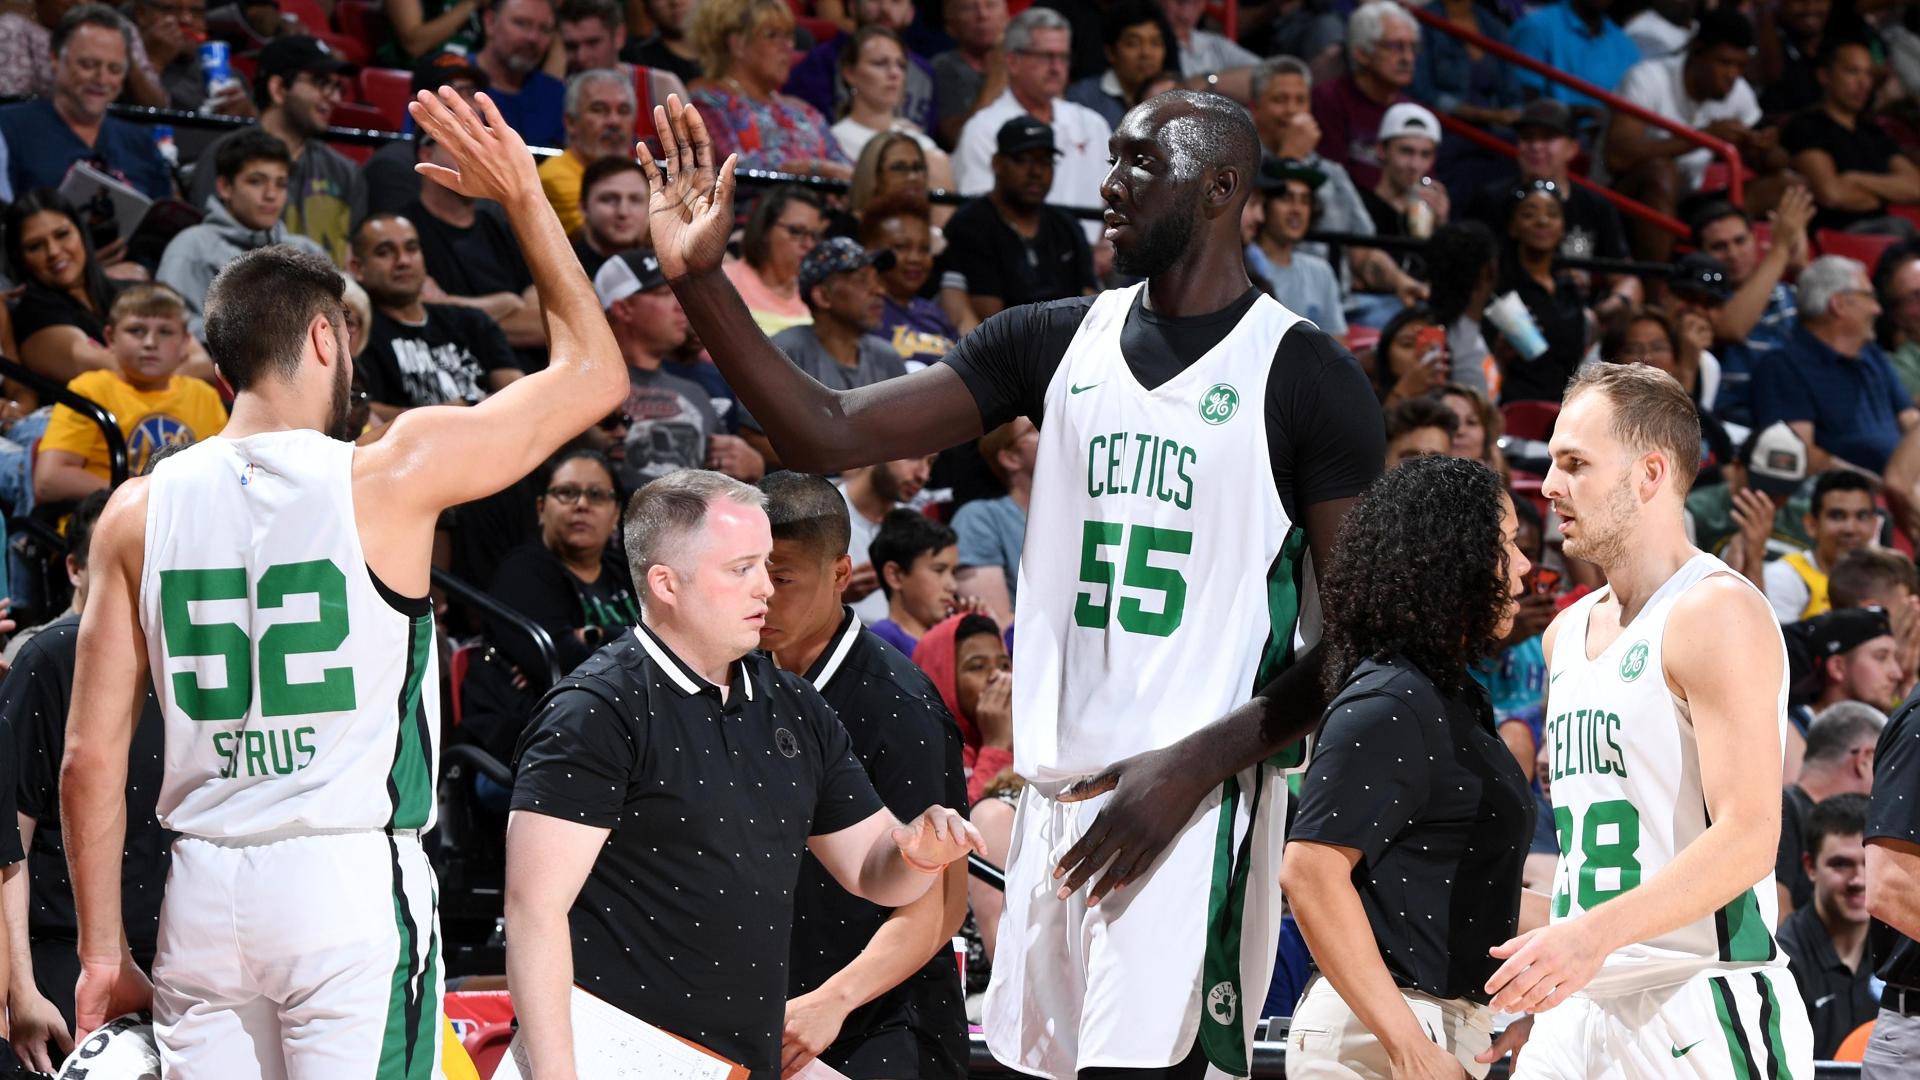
1838 999
1788 869
1894 813
1441 814
684 920
906 739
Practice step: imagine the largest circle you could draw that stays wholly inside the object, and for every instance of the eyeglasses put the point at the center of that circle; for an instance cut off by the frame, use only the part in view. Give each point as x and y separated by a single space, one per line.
1061 58
329 85
800 233
907 168
568 495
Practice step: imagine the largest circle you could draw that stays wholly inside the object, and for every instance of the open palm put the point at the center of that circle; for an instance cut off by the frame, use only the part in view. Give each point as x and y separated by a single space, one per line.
690 211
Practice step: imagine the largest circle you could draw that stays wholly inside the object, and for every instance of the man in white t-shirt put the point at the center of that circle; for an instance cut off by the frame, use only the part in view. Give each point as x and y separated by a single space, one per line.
1039 49
1703 89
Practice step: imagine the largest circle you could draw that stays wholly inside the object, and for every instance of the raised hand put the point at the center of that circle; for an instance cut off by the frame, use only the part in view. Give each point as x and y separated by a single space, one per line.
1791 218
690 210
936 838
490 159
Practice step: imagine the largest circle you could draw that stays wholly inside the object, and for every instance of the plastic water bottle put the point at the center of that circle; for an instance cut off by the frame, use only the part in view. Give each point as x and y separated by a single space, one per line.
163 139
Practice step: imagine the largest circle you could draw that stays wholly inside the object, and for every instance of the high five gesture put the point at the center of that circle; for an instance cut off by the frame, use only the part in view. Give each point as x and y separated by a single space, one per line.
690 210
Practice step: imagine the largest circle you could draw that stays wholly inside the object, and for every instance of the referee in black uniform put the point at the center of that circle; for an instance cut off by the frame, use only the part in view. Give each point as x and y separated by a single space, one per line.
1893 895
666 790
875 991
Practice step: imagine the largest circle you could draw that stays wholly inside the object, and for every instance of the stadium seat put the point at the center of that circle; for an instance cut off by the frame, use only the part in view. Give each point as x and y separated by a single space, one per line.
822 30
484 1021
389 90
309 12
1865 247
1718 177
457 665
352 114
1530 419
1362 338
353 50
1908 212
360 20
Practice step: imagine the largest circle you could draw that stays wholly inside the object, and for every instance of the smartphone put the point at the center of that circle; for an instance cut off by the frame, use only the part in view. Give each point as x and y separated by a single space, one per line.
1543 581
1428 340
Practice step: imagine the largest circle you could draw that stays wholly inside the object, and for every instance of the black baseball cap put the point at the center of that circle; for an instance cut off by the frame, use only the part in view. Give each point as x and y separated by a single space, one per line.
1845 629
1700 276
1024 133
1276 171
1545 114
300 55
839 255
630 272
437 69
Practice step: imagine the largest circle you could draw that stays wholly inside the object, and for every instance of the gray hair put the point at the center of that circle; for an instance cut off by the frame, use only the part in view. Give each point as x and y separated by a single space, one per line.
577 88
663 516
1825 278
91 15
1840 727
1020 30
1368 24
1269 70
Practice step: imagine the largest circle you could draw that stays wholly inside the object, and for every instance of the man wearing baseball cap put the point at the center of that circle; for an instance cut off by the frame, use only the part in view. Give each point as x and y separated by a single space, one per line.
1304 283
297 84
391 181
1759 511
841 286
1409 142
1855 653
671 421
1009 247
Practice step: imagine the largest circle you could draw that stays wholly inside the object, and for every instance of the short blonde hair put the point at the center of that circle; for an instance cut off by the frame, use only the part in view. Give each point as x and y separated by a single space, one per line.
147 300
714 21
1651 411
362 305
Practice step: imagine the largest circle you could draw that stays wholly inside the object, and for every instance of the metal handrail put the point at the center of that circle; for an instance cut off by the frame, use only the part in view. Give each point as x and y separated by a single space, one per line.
542 641
57 392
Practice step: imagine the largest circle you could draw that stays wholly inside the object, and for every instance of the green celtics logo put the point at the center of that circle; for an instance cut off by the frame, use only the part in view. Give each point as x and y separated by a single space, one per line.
1222 1002
1218 405
1635 662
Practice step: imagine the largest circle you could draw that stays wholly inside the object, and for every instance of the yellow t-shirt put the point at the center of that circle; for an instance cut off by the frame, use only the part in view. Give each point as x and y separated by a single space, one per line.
560 178
187 411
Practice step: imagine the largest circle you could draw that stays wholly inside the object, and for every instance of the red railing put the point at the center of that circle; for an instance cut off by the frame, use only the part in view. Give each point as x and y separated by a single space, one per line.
1630 207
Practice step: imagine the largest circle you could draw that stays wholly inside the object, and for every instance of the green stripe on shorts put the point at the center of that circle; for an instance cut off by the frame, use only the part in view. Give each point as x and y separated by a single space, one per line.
1744 1067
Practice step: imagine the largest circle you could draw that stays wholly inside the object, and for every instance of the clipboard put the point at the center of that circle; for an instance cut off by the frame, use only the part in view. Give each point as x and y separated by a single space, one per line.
611 1044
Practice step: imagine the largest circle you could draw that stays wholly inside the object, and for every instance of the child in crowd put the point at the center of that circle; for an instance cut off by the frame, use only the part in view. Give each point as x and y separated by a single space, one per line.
914 557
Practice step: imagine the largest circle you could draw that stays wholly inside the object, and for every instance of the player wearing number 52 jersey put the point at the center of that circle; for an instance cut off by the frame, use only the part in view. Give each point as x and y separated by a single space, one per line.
1665 758
1200 445
274 582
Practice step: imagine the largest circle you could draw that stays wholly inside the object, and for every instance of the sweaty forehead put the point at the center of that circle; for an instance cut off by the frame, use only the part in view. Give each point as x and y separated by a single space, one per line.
1174 130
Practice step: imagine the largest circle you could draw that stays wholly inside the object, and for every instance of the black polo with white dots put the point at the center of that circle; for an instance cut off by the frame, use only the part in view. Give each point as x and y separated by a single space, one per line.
685 918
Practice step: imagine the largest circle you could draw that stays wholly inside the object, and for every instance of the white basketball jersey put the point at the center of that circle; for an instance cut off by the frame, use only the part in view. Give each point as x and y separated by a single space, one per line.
1625 774
299 694
1161 581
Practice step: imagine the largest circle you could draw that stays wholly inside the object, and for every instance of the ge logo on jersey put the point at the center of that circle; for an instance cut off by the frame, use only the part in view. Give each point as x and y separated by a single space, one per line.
1219 403
1635 662
1222 1002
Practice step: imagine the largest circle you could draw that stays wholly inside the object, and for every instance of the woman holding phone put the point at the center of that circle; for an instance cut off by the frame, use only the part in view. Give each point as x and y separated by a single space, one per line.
1411 359
1404 863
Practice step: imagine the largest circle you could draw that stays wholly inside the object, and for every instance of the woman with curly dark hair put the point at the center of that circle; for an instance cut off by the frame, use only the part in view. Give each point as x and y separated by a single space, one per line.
1403 865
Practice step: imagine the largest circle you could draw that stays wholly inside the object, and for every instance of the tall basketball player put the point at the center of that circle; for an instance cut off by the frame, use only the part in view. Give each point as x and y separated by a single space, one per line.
1667 726
274 581
1198 440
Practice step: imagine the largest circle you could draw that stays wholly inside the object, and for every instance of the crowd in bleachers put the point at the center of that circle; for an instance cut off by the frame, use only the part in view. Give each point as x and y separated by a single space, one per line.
1471 277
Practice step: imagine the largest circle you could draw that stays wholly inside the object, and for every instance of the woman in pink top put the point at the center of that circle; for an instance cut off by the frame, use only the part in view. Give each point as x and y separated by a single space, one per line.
746 48
784 226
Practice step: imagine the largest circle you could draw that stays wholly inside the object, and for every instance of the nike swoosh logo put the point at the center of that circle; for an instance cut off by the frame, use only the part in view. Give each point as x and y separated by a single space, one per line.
1555 677
1822 1002
1081 389
1681 1052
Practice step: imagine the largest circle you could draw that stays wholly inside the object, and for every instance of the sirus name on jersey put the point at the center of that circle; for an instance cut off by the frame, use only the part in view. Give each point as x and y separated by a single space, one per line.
264 753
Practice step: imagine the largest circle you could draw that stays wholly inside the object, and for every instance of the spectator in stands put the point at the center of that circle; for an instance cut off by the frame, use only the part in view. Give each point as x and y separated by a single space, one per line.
593 33
1410 360
992 531
1409 143
296 86
517 36
966 657
155 405
864 996
672 423
1664 28
1536 225
1205 53
1838 761
471 256
973 74
1855 168
1893 892
1840 517
599 121
917 328
1646 335
671 49
892 163
1791 35
1856 656
1873 577
390 180
170 32
569 580
1463 260
1697 289
420 352
1578 38
39 895
59 318
1831 382
1462 80
1826 942
1897 278
1303 282
1755 320
1478 436
1011 247
423 27
250 192
1137 50
1702 90
825 78
841 284
872 493
90 52
613 202
1756 513
1038 40
877 70
1382 43
1421 427
746 47
28 63
785 224
913 557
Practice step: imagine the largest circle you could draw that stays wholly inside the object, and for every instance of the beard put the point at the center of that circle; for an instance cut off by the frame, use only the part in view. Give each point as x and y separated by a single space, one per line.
1160 245
340 409
383 297
1607 532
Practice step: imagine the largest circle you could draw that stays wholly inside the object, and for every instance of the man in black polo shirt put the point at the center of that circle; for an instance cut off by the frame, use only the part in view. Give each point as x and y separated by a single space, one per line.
1838 761
867 999
667 790
1893 895
1009 247
1827 940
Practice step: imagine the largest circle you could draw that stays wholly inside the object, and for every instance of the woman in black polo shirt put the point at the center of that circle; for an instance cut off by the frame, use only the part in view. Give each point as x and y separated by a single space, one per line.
1403 865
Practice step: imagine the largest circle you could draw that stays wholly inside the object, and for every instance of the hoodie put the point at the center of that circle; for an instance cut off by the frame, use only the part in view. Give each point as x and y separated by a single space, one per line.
938 656
195 255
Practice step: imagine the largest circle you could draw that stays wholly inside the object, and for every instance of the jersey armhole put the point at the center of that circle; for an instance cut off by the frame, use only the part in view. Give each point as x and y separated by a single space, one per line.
413 607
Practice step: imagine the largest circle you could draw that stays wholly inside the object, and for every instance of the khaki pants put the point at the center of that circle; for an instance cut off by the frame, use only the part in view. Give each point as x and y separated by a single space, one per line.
1328 1042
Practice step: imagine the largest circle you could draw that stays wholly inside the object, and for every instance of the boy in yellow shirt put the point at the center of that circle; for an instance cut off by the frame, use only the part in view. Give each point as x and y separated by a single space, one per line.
155 406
